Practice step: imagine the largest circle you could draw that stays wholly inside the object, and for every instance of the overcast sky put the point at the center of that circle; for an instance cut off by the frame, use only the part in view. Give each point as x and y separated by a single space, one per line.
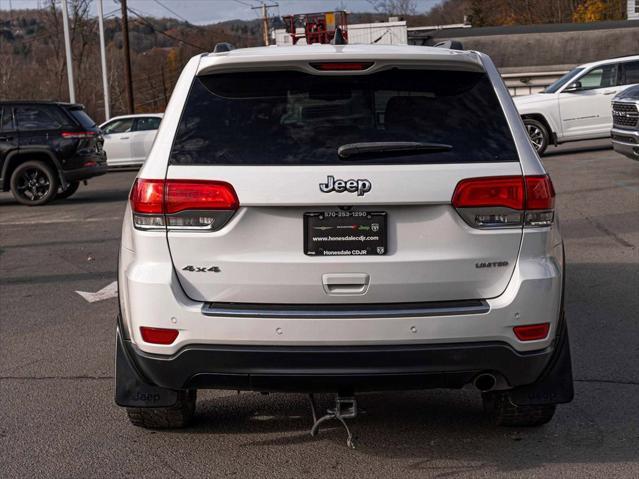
211 11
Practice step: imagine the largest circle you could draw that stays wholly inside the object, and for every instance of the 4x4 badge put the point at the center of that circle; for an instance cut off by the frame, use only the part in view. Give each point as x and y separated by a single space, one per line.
202 269
339 186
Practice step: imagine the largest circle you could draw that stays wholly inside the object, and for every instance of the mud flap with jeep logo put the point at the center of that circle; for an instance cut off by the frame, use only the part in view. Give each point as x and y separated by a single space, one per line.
130 389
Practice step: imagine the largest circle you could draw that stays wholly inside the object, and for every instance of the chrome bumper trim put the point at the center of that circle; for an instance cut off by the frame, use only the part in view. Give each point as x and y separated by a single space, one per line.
346 311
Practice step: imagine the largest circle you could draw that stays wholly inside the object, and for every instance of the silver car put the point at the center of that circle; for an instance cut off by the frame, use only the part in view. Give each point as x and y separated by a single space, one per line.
341 219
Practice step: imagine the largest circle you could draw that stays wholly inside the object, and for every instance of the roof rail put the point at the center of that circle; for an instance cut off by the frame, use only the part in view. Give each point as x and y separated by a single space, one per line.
223 47
450 44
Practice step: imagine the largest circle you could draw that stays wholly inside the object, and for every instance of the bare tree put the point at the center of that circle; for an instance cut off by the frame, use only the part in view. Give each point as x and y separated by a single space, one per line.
400 8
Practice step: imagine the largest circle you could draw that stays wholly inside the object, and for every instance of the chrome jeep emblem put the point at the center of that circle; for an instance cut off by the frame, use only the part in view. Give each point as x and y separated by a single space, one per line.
351 186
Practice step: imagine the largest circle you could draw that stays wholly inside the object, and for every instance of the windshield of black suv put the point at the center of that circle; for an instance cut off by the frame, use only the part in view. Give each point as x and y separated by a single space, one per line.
553 87
295 118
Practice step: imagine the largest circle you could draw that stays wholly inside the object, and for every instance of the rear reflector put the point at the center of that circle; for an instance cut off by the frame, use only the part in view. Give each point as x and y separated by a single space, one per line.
342 66
158 335
182 204
532 332
505 201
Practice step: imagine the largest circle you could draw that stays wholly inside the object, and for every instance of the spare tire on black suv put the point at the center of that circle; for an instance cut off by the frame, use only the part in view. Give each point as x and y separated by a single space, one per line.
46 149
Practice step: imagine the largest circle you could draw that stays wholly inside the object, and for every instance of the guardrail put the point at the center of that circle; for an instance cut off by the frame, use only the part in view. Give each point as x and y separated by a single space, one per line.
531 82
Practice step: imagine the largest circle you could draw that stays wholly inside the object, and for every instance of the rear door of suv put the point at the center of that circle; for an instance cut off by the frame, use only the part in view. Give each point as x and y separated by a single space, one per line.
8 135
333 183
40 125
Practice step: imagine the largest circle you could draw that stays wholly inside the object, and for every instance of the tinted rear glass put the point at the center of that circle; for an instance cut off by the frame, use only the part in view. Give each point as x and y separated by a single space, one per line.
6 119
39 117
294 118
83 118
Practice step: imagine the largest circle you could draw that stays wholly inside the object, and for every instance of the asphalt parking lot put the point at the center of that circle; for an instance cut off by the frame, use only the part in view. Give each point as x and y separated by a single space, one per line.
58 418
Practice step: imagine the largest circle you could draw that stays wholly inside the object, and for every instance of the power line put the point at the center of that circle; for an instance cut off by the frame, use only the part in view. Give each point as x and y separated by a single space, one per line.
244 3
149 24
169 10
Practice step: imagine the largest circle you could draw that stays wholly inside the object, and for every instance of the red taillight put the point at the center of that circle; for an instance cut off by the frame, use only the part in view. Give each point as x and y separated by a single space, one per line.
158 335
147 196
78 134
199 195
506 191
540 194
341 66
182 204
532 332
495 202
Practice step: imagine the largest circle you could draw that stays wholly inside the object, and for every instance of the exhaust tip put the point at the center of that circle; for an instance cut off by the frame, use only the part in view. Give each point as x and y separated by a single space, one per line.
485 382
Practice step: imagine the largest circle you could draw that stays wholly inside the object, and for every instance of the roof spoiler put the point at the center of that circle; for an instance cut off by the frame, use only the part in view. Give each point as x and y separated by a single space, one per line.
450 44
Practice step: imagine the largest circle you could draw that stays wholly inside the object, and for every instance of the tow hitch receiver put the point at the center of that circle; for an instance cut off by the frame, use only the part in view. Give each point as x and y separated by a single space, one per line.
345 408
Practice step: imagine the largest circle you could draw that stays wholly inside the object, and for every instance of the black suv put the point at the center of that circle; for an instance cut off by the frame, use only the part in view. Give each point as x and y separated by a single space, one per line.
46 149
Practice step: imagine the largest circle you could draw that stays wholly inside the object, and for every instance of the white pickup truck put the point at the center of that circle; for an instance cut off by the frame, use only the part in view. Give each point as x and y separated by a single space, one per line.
578 105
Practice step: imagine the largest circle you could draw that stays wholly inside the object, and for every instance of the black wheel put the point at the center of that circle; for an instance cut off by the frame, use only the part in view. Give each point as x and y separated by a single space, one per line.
34 183
538 134
502 412
177 416
71 188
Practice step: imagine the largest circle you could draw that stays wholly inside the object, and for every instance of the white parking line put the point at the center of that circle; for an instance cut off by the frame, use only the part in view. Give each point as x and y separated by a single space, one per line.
63 220
108 292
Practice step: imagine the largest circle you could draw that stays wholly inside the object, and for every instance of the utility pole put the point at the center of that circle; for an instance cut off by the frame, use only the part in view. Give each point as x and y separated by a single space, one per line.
105 83
127 58
67 48
264 9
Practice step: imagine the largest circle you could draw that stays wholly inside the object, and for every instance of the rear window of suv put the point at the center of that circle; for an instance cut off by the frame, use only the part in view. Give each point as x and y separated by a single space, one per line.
295 118
82 117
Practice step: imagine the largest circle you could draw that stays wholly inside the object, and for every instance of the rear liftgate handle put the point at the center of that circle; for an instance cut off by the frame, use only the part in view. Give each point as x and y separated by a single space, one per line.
345 283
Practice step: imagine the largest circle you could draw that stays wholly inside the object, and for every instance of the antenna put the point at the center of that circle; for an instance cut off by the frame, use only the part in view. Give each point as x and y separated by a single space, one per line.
339 37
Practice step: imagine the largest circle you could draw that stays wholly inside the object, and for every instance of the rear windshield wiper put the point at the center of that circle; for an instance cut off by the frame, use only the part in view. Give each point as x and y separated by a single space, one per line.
381 149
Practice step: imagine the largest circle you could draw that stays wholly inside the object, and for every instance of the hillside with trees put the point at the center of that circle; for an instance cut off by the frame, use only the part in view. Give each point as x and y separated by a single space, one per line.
33 58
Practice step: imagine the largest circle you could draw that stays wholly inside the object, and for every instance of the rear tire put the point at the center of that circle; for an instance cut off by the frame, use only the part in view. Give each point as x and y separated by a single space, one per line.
502 412
71 189
173 417
34 183
538 135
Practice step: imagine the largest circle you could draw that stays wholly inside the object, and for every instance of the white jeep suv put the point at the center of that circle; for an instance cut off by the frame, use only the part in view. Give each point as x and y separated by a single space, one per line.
577 106
341 219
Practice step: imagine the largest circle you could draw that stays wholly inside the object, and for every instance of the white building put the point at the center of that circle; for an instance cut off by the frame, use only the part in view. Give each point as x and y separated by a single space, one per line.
633 9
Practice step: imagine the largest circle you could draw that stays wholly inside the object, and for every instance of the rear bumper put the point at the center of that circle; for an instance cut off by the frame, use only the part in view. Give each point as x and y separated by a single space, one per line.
626 142
85 173
86 165
341 368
